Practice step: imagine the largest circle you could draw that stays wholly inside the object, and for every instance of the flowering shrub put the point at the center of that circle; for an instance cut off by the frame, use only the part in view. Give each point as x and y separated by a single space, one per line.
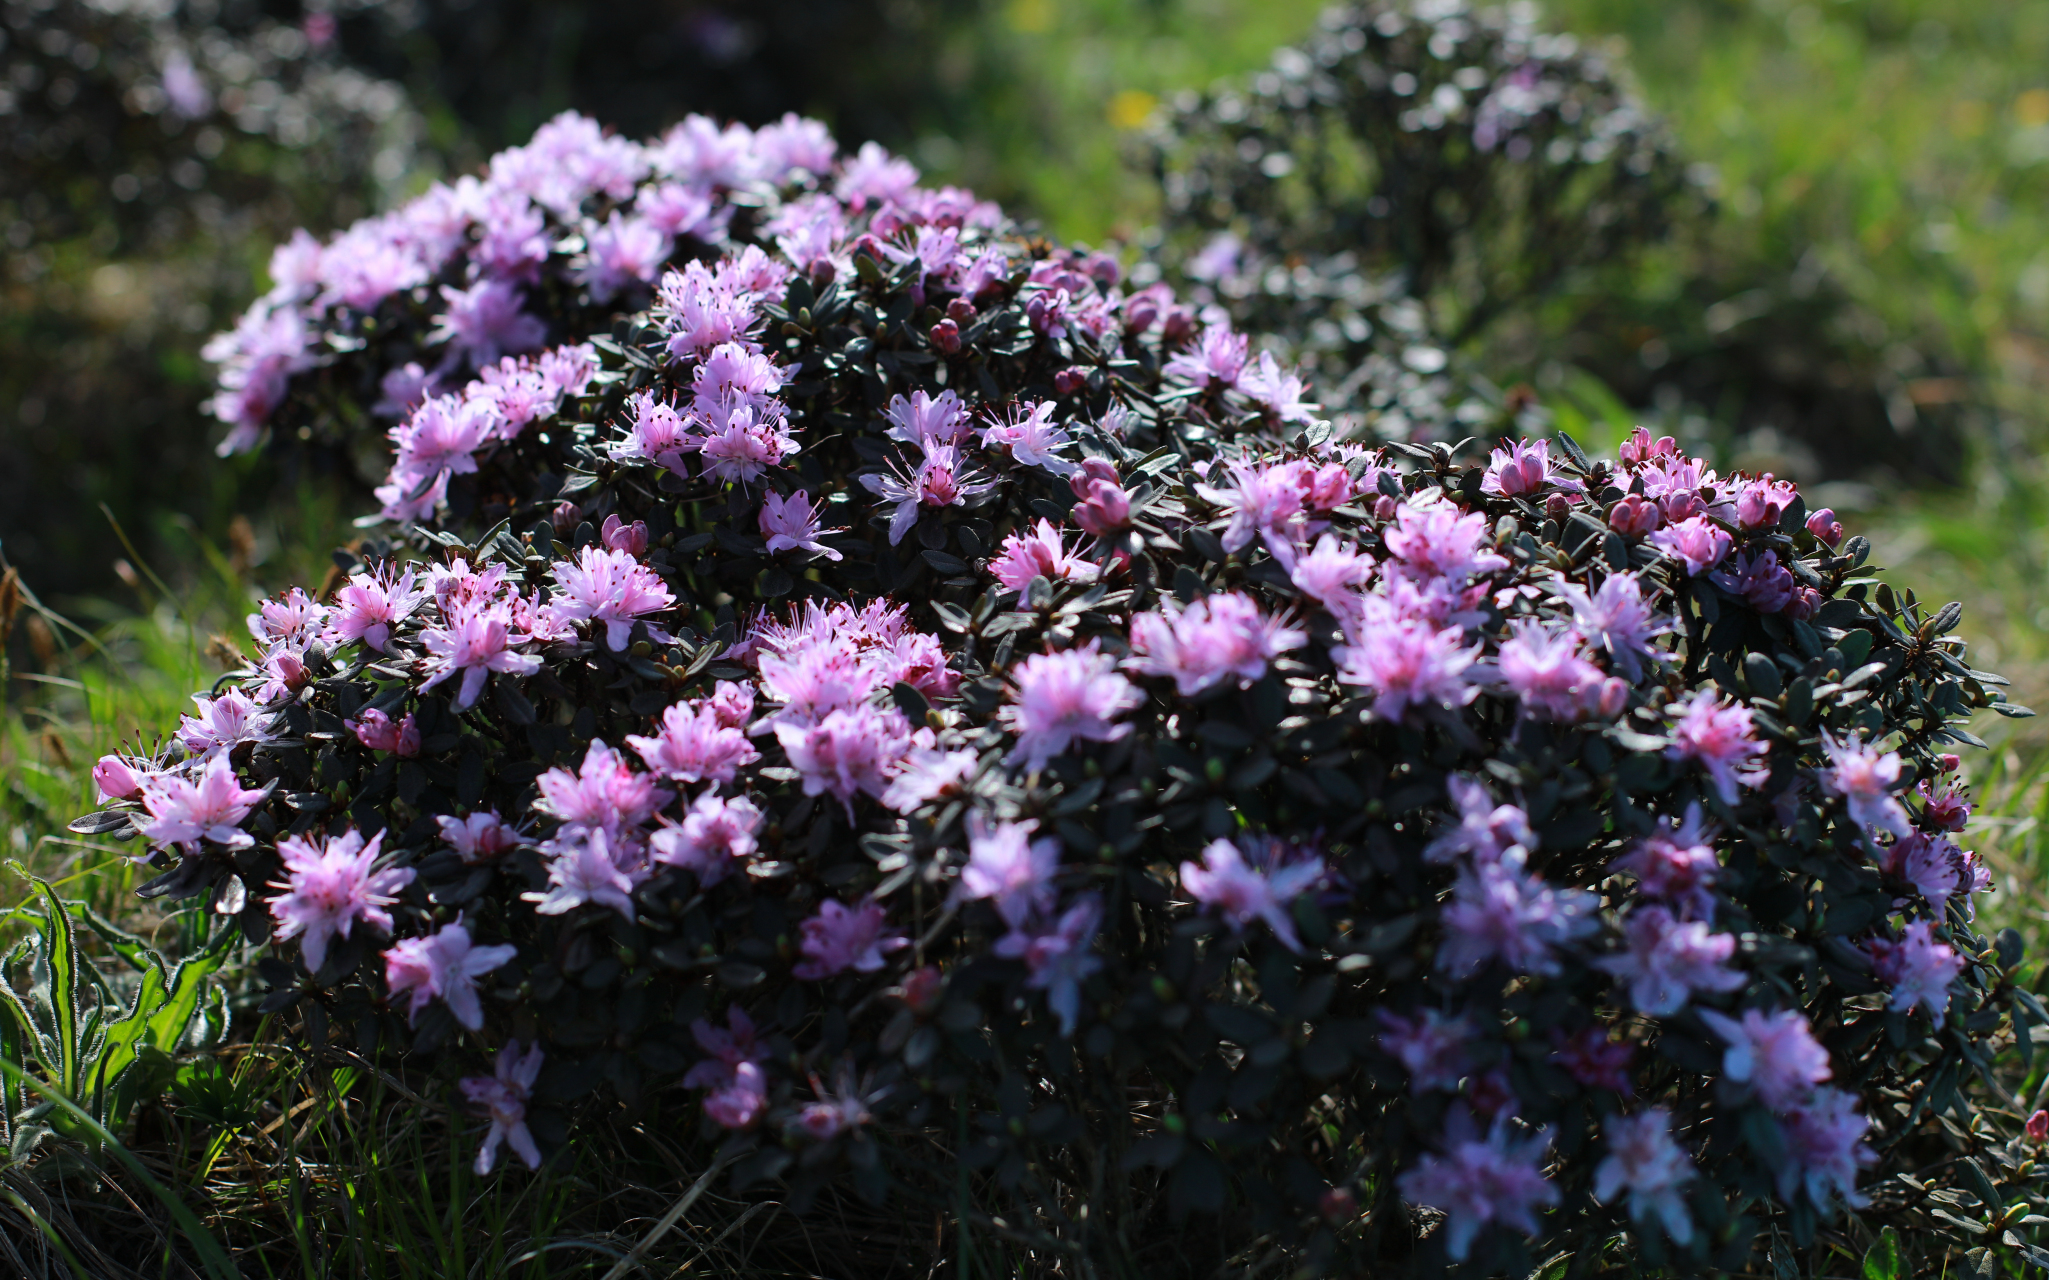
1401 181
862 679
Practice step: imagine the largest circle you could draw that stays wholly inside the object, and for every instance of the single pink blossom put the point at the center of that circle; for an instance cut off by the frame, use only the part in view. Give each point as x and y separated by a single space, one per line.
1543 668
1482 1182
379 732
1919 968
1776 1053
1038 553
848 751
475 645
1826 1138
1720 739
329 886
183 813
1615 618
119 778
1064 698
503 1097
839 938
1009 867
1433 538
603 794
608 586
1405 661
1644 1160
1696 542
1676 863
793 524
1865 780
224 723
583 869
444 966
1212 641
479 837
694 745
1499 911
1332 574
1057 956
1485 831
715 836
1430 1047
1668 960
1262 887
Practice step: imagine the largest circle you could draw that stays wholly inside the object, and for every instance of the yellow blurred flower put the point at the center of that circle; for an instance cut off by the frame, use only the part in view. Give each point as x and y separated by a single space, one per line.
1131 108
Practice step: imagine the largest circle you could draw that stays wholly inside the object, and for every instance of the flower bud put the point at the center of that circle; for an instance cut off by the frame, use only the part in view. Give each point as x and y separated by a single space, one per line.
115 779
1557 507
921 989
946 336
1070 380
565 517
1339 1206
1803 604
1950 763
1681 506
1383 508
1178 326
1104 509
2038 1127
1824 526
960 311
1092 470
1633 517
630 538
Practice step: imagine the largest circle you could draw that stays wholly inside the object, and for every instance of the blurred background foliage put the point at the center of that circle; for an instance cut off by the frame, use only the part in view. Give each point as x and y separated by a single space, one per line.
1855 293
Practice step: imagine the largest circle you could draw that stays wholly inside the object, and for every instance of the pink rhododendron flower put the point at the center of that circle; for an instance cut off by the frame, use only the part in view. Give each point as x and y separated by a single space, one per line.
1208 642
1275 390
1057 958
475 645
1260 888
1824 526
479 837
224 723
1010 868
503 1097
839 938
1633 517
1775 1052
942 419
583 868
378 732
695 745
1543 668
1332 574
941 479
1865 780
602 585
1935 867
329 886
1433 538
1430 1047
1948 808
1760 502
847 751
603 794
1667 960
1676 863
1615 618
658 434
715 836
182 812
1264 501
1720 740
732 702
738 1088
1217 360
1029 433
1763 583
1482 1182
293 616
926 773
1521 469
1644 1160
1038 553
1104 509
1405 661
793 524
1064 698
443 966
485 321
1826 1137
623 252
743 441
1919 968
1696 542
1484 830
1498 911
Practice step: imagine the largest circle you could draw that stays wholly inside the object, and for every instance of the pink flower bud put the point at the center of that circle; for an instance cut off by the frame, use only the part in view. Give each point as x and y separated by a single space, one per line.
960 311
1610 698
565 517
1633 517
1682 506
1803 604
1178 325
1070 380
921 989
1339 1206
1557 507
1092 470
1383 508
630 538
115 779
1950 763
1105 509
1824 526
2038 1127
1639 449
946 336
1328 486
